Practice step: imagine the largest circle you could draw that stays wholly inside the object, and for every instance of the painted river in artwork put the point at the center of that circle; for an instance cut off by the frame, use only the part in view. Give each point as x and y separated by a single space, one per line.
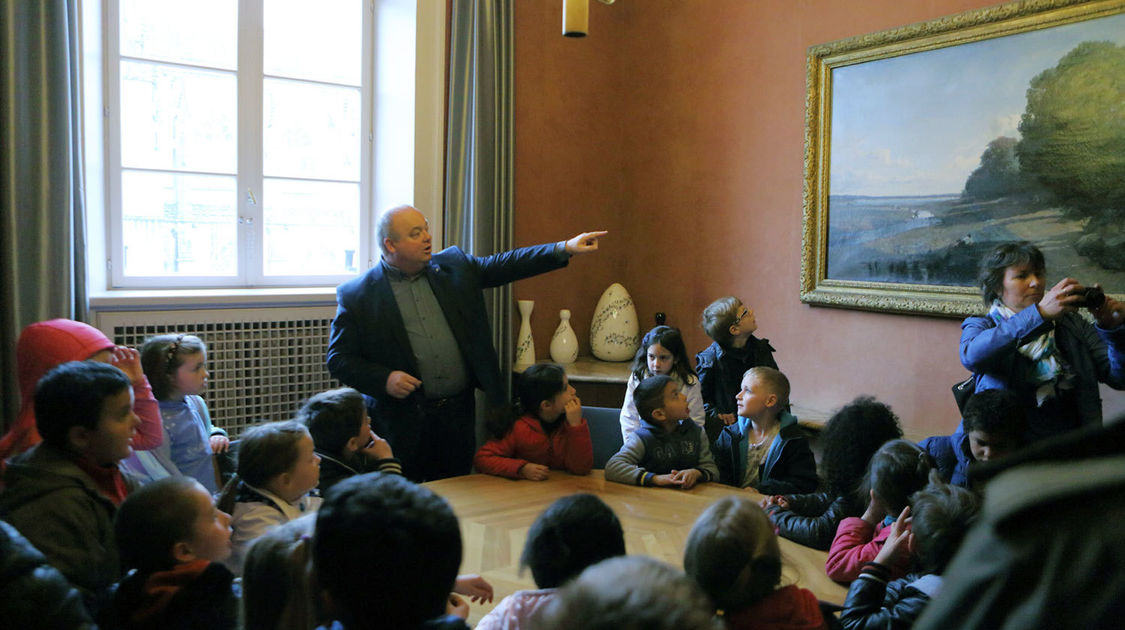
939 239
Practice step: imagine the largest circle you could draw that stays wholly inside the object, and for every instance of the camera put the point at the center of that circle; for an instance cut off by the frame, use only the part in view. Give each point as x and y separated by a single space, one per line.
1091 297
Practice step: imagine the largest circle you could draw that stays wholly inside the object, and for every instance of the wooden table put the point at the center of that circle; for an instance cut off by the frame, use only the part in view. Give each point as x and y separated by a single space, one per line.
495 514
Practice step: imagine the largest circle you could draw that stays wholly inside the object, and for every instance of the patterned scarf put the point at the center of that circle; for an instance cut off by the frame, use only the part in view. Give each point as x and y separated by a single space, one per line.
1041 351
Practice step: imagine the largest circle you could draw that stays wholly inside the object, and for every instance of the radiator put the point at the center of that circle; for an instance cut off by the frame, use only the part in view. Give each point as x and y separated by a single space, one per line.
263 362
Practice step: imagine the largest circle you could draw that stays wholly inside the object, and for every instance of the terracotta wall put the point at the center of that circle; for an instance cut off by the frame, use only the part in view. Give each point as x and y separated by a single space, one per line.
678 125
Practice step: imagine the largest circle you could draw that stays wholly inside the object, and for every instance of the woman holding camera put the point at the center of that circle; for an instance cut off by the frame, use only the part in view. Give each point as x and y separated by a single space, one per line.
1034 342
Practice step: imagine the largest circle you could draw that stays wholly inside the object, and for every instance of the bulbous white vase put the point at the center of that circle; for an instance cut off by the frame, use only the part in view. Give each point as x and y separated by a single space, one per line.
525 345
564 343
614 334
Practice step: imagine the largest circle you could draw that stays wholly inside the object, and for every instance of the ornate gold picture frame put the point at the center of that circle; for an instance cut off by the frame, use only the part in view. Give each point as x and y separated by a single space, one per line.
928 144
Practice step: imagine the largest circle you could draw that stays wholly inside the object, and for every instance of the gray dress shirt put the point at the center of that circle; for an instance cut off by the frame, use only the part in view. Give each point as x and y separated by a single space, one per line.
443 371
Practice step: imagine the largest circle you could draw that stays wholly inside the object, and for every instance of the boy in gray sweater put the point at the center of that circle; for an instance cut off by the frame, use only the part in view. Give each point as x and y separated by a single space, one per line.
669 449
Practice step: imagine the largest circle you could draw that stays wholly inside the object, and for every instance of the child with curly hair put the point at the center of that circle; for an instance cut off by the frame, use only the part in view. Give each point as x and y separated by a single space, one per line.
850 438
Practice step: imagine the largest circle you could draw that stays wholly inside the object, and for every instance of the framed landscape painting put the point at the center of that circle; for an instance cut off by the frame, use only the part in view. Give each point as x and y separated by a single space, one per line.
929 144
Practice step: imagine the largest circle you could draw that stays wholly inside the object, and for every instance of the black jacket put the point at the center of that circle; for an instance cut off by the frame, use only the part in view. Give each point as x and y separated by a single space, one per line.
720 372
33 594
874 603
369 341
208 601
812 519
333 470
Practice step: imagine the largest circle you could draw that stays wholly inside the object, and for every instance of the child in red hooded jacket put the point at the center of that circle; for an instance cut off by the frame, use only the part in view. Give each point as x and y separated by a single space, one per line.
44 345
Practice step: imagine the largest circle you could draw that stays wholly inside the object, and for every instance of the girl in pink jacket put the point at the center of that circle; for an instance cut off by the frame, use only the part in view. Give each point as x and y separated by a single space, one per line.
897 470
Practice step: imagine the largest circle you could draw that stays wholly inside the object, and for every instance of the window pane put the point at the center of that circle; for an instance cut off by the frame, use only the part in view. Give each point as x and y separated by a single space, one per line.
394 115
311 131
178 225
330 33
200 32
311 228
173 118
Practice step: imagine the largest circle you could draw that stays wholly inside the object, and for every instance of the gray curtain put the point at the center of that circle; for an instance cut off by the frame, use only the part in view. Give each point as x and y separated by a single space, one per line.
479 146
42 229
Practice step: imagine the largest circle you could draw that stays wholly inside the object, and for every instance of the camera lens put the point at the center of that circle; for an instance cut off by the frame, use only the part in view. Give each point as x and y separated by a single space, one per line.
1093 297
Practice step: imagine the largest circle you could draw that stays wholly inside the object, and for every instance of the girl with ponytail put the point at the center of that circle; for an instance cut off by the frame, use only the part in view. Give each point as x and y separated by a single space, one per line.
732 553
897 470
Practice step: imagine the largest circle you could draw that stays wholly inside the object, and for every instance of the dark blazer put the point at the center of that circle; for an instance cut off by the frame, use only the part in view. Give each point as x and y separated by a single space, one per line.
369 341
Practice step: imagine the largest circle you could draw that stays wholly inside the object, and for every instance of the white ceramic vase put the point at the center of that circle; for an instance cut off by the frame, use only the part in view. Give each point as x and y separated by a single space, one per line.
564 343
614 334
525 345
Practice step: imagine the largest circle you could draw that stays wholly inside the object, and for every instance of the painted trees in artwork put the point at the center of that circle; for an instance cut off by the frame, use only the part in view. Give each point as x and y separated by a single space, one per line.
999 172
1072 146
1073 130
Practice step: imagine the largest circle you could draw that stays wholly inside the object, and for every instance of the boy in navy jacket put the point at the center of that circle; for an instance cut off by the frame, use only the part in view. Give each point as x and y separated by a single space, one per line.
765 449
994 425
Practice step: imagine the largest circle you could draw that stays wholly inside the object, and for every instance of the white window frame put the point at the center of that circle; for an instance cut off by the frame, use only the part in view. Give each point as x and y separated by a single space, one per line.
109 287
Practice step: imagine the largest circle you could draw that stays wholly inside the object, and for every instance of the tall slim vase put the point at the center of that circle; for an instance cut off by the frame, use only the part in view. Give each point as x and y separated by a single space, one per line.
525 345
564 343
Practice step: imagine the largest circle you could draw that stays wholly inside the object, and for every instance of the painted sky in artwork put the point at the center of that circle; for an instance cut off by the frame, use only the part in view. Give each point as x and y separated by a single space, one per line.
917 124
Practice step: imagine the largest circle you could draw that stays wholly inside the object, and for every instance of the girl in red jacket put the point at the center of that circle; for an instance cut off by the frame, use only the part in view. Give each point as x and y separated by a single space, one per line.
732 553
546 430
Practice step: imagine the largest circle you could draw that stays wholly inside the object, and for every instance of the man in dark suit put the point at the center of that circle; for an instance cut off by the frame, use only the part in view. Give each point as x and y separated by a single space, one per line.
413 335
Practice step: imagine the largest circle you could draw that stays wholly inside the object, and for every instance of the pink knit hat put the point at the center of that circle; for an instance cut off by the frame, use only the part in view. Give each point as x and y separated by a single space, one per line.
42 346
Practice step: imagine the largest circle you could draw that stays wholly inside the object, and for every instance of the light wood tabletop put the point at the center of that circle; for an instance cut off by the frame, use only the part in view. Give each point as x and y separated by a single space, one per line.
496 513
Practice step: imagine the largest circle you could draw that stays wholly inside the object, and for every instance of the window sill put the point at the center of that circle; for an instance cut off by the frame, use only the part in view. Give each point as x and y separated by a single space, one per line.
174 299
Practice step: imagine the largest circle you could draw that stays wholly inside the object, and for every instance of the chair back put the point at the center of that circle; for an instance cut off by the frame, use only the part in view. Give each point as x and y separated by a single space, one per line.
226 464
605 432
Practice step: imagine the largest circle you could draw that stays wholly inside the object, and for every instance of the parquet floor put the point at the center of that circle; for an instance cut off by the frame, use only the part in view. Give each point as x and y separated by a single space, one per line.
495 514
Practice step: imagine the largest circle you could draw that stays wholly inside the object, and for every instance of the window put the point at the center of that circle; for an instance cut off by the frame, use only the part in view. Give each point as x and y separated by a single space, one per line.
249 142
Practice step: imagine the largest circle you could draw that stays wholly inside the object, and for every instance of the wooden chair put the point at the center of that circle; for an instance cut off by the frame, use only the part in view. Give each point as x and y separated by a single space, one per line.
225 464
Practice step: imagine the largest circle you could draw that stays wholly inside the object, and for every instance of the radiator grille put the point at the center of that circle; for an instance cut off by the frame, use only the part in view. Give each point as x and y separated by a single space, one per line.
263 363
